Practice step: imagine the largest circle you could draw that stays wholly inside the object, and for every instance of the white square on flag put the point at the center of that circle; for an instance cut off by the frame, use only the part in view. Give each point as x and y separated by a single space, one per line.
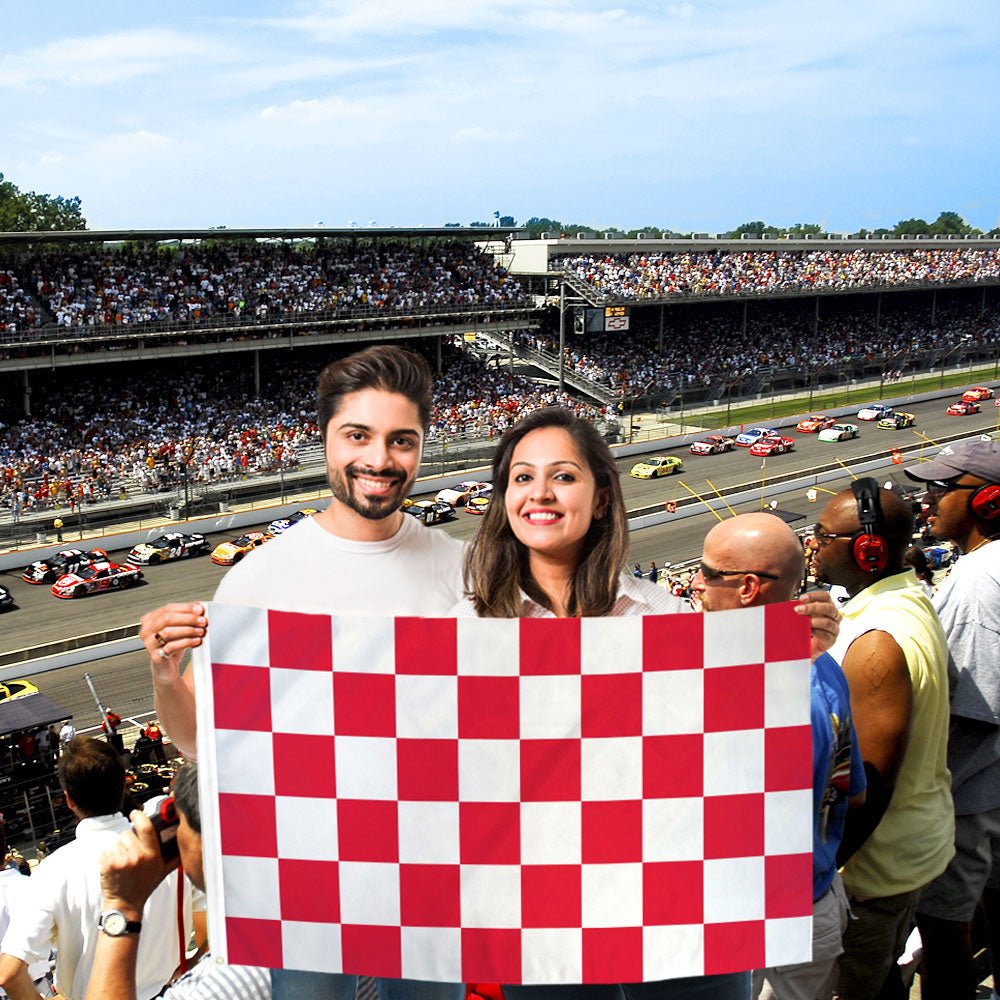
539 801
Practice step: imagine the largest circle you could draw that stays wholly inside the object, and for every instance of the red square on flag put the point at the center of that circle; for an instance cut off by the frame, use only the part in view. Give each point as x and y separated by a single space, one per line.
309 890
368 830
299 642
550 646
550 770
427 770
426 646
304 765
611 705
673 892
734 947
734 698
612 832
490 833
612 953
673 766
366 947
673 642
785 633
251 941
247 704
489 708
787 758
364 704
248 825
551 896
734 826
491 955
788 885
430 896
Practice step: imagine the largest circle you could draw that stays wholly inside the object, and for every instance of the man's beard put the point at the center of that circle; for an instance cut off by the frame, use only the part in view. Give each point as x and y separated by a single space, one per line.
372 508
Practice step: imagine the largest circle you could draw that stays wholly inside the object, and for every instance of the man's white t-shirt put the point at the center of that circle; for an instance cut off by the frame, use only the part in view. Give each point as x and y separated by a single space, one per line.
418 571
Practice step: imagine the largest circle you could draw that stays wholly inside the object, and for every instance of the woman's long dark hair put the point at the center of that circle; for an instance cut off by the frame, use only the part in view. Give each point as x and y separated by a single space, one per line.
496 563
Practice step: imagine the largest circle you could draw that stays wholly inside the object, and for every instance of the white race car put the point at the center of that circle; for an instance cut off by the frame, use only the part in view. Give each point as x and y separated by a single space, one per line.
839 432
875 411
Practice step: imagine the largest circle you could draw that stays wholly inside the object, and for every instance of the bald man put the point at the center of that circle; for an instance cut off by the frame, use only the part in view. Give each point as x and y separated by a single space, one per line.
756 559
895 656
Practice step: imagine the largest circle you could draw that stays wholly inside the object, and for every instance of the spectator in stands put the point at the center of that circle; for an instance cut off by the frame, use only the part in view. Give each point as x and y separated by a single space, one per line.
63 901
774 553
131 870
895 656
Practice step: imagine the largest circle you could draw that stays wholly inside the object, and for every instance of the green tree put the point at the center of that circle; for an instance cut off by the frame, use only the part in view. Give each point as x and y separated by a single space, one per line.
911 227
27 211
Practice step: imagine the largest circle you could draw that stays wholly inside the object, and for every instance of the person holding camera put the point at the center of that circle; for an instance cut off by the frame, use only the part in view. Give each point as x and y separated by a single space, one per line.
130 873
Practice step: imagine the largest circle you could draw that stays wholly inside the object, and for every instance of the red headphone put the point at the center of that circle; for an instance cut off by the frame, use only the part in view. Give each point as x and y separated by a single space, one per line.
985 502
868 548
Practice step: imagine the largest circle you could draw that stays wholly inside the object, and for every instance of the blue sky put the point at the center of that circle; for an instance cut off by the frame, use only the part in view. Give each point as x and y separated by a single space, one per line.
693 115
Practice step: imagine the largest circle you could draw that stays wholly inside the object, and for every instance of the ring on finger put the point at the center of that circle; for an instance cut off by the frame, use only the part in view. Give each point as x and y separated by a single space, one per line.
163 653
160 641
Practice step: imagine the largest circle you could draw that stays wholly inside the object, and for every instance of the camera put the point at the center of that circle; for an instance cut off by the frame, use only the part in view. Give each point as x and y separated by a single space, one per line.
165 821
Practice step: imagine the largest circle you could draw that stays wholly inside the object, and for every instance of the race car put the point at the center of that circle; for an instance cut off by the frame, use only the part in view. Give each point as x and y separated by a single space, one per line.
63 562
714 444
172 545
838 432
875 411
897 421
10 690
771 446
6 601
962 408
977 394
431 511
460 494
280 524
658 465
814 424
230 553
940 556
478 505
753 434
95 578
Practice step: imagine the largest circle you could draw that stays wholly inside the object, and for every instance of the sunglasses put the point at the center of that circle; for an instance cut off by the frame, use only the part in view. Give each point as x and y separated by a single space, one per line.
823 538
711 573
941 486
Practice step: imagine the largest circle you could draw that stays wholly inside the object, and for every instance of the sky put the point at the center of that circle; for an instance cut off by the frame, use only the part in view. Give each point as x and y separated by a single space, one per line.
690 115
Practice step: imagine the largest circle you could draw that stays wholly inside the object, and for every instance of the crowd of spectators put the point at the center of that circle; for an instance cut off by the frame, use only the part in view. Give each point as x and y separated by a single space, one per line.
143 429
718 272
18 310
248 281
703 346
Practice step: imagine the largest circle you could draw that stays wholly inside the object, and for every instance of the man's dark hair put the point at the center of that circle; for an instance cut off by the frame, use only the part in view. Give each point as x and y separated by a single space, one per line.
93 776
185 792
383 367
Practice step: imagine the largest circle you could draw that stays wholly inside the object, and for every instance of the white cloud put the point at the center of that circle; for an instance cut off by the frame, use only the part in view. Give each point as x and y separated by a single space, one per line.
479 134
319 111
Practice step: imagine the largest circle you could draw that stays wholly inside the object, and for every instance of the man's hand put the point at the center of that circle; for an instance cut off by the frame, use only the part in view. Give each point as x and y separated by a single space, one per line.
167 633
133 868
823 617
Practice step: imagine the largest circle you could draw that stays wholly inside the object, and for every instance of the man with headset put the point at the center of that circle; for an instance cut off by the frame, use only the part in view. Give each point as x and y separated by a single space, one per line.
963 506
895 656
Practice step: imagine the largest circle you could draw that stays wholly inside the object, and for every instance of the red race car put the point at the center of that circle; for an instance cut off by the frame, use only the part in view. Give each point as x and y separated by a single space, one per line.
962 408
95 578
977 394
772 446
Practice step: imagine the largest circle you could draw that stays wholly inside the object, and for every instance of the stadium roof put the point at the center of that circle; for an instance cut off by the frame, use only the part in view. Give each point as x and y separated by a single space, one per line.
305 232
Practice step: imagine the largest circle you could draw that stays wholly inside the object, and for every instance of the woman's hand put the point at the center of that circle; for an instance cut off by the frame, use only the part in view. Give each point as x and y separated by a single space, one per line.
167 633
823 616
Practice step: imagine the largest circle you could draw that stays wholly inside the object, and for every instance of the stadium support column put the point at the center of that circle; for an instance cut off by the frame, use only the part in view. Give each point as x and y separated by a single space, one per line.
743 328
27 393
934 307
562 335
878 312
816 320
256 373
437 348
660 347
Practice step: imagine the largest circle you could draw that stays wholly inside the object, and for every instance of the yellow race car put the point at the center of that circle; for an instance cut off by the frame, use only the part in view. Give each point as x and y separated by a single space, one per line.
658 465
230 553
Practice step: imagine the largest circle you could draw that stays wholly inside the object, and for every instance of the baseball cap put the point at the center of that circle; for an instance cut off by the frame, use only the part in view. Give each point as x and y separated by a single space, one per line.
977 457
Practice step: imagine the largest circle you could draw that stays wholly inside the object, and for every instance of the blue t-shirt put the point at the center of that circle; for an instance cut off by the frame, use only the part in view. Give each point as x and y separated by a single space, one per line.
838 771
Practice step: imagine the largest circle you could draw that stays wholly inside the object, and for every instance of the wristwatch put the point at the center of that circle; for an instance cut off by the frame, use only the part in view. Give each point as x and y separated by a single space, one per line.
114 923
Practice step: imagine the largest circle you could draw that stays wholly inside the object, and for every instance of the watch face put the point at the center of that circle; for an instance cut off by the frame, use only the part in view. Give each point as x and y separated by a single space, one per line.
114 923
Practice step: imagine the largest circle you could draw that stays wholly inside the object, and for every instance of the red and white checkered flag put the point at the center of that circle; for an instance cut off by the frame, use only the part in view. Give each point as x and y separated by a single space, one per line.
537 801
